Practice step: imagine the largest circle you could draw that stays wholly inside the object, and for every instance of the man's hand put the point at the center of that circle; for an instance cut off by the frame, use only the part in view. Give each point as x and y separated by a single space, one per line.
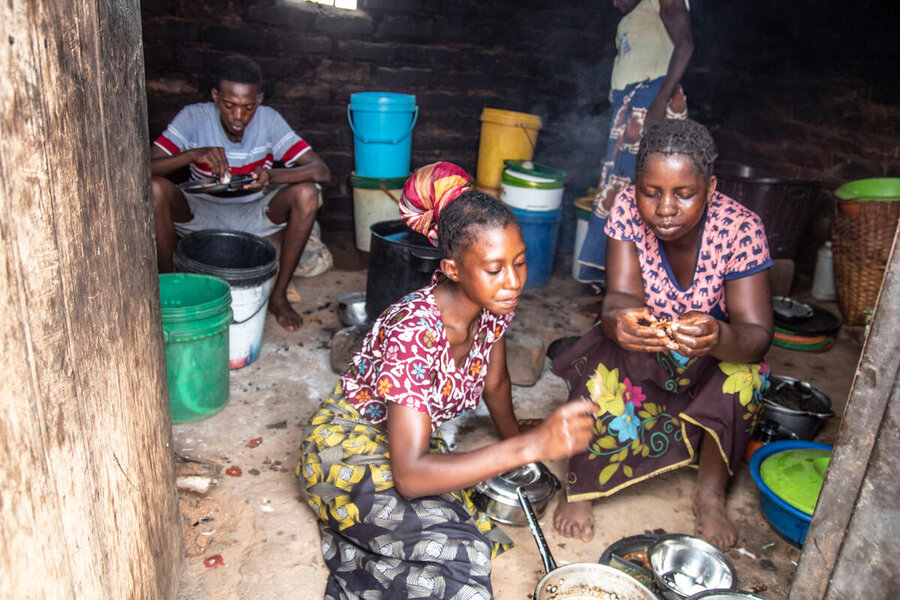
261 180
214 157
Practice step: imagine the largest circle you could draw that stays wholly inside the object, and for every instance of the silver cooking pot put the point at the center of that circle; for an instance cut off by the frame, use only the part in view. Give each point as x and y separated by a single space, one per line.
579 581
498 499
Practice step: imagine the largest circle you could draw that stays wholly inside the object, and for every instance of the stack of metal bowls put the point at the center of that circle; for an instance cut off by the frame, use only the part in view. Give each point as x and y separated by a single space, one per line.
497 497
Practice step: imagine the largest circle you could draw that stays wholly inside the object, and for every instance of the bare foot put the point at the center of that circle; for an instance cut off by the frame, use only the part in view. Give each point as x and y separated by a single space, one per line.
574 519
286 316
711 521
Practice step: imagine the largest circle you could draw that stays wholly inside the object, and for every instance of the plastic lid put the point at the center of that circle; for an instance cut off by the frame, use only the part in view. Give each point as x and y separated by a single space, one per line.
796 476
877 189
529 168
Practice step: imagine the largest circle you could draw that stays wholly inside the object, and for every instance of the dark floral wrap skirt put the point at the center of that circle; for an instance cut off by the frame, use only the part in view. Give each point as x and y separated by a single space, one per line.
655 410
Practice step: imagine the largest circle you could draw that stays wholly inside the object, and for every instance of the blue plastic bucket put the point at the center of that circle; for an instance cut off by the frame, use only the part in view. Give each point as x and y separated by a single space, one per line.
382 125
540 229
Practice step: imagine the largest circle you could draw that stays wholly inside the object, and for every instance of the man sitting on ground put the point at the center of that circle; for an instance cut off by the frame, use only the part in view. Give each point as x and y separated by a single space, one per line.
234 135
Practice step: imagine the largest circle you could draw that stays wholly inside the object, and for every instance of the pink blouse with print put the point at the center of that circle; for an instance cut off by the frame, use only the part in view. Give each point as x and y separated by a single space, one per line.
732 245
406 359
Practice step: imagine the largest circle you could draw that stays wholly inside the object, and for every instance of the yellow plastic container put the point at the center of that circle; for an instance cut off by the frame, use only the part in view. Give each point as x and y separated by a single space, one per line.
504 135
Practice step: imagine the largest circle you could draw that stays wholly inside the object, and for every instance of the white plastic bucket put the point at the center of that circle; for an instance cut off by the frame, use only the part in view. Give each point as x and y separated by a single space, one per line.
529 186
249 305
249 264
373 202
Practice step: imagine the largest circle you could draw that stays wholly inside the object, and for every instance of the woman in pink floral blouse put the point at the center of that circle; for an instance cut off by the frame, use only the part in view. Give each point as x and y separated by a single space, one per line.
675 363
394 508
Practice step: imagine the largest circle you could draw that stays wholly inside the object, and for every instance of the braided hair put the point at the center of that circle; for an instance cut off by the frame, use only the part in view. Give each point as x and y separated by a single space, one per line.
460 220
685 137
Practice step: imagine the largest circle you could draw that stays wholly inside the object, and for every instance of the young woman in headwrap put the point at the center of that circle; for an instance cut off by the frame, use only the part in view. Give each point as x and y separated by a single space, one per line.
394 508
675 362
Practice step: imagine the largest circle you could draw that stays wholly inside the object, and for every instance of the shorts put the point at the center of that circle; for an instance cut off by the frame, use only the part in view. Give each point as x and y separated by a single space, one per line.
233 214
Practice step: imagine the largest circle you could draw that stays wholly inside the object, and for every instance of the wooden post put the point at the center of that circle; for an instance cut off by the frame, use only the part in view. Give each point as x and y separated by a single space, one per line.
87 494
853 542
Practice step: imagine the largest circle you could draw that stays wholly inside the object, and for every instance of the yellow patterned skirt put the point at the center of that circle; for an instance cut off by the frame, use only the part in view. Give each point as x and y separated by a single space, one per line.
377 544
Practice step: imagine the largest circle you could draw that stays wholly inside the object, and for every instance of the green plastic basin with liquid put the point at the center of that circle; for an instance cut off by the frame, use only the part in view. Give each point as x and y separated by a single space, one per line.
196 313
796 476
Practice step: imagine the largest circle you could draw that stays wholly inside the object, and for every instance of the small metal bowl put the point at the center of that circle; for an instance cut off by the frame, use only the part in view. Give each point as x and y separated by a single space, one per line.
683 565
497 497
351 309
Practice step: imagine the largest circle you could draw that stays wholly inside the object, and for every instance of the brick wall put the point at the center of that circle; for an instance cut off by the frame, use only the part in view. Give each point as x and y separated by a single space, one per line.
456 57
802 88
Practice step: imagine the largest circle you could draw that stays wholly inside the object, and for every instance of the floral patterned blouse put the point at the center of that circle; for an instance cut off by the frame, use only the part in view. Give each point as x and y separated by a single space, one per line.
733 245
406 359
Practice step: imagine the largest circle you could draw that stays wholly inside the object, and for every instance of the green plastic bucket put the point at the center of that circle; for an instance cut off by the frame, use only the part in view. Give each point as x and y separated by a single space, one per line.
196 314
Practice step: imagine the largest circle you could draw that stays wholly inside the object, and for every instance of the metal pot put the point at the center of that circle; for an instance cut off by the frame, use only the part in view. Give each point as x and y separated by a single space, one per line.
578 581
801 422
498 497
351 309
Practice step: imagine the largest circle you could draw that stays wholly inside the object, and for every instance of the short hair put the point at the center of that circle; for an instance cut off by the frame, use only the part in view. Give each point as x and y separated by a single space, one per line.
459 221
679 136
239 69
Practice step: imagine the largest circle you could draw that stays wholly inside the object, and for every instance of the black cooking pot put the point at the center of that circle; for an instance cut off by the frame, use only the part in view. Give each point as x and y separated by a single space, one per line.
400 261
786 206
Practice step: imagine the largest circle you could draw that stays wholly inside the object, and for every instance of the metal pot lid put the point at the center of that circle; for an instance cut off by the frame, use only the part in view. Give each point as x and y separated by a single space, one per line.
790 310
821 322
809 399
536 479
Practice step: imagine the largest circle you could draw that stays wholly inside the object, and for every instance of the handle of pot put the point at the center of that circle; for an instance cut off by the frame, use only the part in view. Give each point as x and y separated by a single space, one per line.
543 548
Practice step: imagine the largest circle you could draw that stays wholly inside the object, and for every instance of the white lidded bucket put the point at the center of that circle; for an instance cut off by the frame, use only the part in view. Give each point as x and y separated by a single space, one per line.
527 185
249 264
374 200
583 207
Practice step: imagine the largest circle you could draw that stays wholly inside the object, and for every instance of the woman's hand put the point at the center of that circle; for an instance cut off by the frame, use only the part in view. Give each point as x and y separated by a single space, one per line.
695 333
633 329
566 432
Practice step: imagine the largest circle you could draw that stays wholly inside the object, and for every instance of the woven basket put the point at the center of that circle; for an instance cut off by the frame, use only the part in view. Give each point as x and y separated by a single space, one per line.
863 234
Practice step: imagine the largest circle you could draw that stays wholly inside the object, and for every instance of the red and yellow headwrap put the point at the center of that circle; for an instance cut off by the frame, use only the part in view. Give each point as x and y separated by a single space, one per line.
427 192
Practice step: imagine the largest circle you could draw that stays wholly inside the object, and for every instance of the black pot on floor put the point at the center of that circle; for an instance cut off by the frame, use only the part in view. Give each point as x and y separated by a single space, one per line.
400 261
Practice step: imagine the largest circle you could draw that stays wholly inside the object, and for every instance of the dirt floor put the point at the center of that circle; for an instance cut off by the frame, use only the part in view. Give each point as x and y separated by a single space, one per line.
251 536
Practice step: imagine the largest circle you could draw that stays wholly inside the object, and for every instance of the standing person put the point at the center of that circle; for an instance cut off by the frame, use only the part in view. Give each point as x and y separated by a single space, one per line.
394 507
676 362
653 47
235 135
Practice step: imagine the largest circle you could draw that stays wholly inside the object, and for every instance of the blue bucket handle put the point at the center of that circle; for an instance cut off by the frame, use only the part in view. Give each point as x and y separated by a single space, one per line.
397 141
